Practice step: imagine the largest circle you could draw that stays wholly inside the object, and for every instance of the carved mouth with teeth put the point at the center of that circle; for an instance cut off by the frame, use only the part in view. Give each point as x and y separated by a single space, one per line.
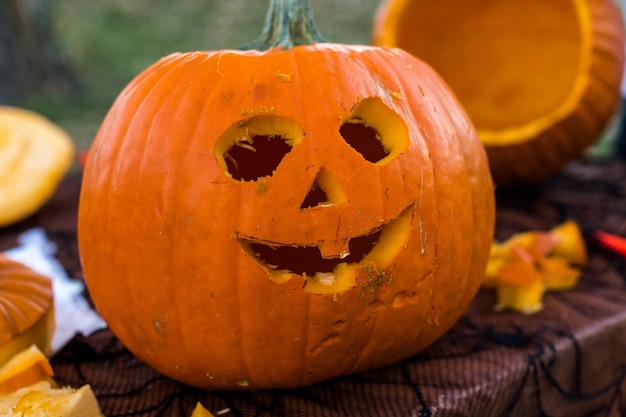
252 150
376 248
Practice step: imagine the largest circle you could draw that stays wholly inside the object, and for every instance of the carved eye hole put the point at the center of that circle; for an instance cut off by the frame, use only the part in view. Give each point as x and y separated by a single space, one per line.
364 139
253 148
375 131
253 157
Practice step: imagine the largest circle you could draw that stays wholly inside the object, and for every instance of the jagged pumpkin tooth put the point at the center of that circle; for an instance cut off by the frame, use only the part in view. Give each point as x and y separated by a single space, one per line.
520 289
571 244
26 368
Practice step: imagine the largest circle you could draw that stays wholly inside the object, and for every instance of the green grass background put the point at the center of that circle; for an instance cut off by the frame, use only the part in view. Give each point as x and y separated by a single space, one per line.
109 42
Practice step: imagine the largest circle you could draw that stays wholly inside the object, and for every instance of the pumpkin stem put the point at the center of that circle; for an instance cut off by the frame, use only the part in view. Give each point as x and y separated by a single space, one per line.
288 23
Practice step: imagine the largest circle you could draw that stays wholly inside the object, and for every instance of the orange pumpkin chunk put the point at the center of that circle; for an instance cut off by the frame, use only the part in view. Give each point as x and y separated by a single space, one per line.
571 245
27 367
519 285
527 264
201 411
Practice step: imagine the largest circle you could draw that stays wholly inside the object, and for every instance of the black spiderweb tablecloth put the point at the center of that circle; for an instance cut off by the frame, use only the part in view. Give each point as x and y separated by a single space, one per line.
567 360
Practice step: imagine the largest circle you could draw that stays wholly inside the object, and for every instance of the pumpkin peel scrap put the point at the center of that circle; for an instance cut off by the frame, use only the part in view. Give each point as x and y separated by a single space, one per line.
525 266
519 284
25 368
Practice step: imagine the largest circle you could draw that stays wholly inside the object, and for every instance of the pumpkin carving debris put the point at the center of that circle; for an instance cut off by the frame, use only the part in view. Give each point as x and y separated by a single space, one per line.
27 388
526 265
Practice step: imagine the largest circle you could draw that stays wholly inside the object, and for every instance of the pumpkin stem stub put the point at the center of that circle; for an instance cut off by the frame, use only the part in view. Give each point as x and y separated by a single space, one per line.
288 23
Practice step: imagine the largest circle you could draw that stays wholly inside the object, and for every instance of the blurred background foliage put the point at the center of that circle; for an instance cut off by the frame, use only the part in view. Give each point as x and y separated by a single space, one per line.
108 42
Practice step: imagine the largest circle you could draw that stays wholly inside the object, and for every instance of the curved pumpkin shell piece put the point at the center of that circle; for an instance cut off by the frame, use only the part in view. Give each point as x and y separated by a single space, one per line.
27 367
273 219
35 154
26 309
539 79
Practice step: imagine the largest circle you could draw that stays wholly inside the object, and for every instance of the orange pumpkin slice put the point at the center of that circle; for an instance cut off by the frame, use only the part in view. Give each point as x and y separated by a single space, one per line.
539 79
26 368
26 309
35 154
520 285
498 257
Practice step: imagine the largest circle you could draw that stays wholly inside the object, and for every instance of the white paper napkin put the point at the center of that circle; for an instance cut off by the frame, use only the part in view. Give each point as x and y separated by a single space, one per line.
73 313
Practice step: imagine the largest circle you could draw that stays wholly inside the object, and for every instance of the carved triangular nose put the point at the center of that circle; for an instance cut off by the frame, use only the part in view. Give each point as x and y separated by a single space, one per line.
325 191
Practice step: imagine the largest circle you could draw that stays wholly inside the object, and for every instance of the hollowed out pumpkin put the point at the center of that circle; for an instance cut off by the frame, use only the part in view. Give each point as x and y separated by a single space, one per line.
539 79
270 219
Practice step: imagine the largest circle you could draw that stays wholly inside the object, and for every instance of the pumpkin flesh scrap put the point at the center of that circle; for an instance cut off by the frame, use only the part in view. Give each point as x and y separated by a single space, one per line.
527 264
201 411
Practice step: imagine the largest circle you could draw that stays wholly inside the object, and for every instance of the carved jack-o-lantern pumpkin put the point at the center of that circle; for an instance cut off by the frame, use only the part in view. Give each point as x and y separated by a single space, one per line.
272 219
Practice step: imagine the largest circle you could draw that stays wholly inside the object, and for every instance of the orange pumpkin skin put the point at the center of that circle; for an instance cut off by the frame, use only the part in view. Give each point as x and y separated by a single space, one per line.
27 309
161 224
583 63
